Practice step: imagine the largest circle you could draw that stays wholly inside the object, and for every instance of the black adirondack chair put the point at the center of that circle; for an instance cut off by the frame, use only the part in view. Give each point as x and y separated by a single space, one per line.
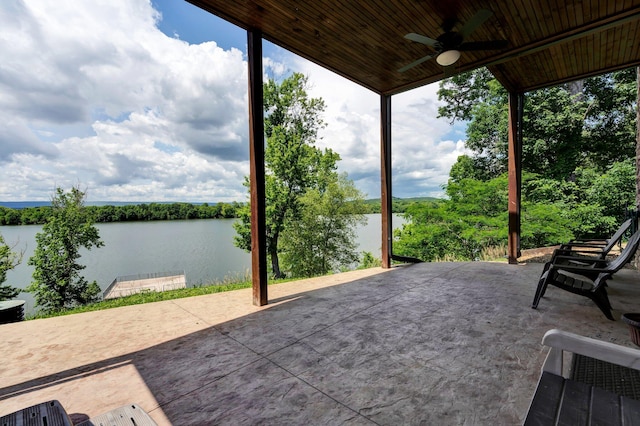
585 278
598 248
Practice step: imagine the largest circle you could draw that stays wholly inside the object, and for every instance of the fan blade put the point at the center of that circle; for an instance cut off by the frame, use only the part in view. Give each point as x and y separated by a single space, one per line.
422 39
484 45
418 62
477 20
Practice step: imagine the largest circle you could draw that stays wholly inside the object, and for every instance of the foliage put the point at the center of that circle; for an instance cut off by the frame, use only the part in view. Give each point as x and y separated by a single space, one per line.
594 204
369 261
615 189
398 205
126 213
466 167
589 123
323 239
8 260
474 217
578 149
165 211
296 172
610 122
463 91
552 132
57 283
473 221
588 221
543 225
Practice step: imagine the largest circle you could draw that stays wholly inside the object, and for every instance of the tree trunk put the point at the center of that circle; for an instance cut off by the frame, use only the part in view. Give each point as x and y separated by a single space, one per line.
638 138
576 88
275 262
637 257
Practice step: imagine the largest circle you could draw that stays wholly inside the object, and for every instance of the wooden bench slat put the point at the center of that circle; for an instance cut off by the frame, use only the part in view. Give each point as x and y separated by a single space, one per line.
560 401
576 401
545 400
605 407
630 411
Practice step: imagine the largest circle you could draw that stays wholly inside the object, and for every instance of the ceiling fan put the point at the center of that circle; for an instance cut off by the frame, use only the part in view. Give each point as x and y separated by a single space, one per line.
449 44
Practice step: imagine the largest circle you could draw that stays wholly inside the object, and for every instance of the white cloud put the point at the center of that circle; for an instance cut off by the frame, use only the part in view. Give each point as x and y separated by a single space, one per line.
421 154
162 119
93 93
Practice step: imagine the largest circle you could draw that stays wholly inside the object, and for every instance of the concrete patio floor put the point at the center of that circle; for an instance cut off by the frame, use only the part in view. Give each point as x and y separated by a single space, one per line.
431 343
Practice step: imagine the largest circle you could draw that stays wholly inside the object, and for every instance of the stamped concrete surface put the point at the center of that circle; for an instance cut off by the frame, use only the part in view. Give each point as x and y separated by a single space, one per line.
431 343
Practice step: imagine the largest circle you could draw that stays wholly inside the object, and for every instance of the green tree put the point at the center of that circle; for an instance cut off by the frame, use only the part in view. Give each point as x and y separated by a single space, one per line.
8 260
593 203
610 121
57 283
475 218
463 91
578 146
369 261
294 165
553 124
324 239
615 189
465 167
587 123
9 216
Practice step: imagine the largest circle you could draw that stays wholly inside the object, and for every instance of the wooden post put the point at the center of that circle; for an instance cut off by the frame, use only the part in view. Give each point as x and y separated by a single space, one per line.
385 179
256 170
516 107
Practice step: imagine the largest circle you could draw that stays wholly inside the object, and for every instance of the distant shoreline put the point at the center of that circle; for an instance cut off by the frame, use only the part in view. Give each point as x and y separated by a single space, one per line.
28 204
39 212
15 213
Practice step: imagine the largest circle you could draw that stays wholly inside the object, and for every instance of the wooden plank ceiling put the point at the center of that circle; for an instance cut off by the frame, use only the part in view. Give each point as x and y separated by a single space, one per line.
549 42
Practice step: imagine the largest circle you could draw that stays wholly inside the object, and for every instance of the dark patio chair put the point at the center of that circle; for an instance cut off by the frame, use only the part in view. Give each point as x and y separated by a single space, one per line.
599 248
574 274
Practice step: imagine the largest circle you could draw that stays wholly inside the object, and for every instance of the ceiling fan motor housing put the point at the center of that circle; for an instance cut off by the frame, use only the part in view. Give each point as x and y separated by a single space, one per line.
449 40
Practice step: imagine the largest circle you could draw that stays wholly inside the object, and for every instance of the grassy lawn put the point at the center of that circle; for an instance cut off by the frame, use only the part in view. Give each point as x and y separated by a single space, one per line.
155 296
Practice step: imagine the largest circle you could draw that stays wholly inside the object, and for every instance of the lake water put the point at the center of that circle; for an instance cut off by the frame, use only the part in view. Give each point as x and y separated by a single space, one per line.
204 249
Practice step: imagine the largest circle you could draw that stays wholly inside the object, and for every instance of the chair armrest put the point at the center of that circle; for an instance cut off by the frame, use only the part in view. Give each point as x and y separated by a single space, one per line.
579 256
595 241
559 341
594 264
596 246
582 249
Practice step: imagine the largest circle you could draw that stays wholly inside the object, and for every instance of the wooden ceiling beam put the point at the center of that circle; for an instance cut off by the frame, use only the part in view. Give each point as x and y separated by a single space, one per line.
538 46
566 37
362 40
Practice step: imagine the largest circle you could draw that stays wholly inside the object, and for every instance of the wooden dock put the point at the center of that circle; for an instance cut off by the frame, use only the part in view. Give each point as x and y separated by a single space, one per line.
133 284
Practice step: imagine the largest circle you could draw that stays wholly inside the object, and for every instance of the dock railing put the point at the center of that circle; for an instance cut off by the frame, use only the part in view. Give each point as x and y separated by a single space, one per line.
112 290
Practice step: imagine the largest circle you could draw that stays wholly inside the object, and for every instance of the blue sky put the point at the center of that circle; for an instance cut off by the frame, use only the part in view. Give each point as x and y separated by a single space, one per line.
188 22
139 100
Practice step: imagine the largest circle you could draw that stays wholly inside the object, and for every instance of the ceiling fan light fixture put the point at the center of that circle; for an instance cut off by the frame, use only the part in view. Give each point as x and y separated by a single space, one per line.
448 57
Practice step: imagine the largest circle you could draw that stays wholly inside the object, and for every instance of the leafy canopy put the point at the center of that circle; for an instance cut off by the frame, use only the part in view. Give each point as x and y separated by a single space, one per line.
324 238
57 282
8 260
578 142
579 174
300 181
589 123
474 219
